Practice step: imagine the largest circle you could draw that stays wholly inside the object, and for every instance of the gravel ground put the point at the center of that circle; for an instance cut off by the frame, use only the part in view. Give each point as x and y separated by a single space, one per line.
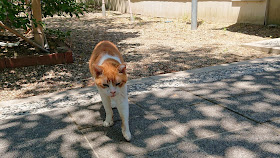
150 46
89 95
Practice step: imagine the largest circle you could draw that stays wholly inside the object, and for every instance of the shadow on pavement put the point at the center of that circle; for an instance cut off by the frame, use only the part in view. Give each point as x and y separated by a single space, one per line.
235 117
50 134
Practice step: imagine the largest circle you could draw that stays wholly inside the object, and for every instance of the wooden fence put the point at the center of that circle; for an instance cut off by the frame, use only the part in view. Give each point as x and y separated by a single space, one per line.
235 11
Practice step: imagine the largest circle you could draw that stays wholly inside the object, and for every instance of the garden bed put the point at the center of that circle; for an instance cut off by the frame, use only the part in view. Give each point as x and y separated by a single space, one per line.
48 59
25 55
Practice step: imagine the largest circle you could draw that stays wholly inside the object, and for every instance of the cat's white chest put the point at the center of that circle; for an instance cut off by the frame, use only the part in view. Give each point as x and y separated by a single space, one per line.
107 56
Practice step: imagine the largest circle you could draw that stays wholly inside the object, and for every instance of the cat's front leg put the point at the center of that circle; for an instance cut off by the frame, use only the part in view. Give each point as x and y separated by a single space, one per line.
106 101
123 109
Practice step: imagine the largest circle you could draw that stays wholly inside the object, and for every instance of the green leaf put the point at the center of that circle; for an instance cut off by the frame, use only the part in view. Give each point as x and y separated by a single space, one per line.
18 17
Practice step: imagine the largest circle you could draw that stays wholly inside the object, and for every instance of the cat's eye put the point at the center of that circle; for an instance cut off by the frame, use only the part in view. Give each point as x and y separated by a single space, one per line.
105 85
118 84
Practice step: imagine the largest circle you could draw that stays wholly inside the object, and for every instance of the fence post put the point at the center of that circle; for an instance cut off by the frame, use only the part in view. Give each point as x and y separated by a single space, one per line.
103 8
194 15
130 11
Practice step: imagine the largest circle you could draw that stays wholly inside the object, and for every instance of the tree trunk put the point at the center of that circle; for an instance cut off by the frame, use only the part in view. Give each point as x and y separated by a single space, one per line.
37 14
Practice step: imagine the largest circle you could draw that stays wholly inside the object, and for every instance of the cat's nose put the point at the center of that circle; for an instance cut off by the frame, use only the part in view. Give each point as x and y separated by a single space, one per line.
113 92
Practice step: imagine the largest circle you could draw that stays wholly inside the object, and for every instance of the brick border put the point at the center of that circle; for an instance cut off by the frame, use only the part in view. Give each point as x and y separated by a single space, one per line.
48 59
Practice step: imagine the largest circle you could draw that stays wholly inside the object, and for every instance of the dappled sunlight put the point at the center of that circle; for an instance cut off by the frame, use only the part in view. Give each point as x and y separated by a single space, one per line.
242 143
231 124
204 133
202 123
248 86
219 119
272 97
132 149
177 128
238 151
211 111
271 147
261 107
148 133
157 141
41 135
261 134
231 117
195 122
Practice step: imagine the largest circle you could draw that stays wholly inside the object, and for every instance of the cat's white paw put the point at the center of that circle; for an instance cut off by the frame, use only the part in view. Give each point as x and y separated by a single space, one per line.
108 123
127 135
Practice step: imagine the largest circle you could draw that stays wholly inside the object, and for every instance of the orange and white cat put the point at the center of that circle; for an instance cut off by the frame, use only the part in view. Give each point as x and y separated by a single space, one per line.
109 71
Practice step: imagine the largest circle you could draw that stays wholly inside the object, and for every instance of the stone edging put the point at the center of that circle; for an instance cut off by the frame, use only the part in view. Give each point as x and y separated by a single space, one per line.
48 59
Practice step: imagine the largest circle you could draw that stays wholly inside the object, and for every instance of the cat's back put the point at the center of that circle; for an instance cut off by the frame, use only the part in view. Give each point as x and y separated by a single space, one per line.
104 48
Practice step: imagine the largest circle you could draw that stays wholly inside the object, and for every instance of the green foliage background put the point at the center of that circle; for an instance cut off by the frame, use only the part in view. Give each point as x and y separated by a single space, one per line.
15 12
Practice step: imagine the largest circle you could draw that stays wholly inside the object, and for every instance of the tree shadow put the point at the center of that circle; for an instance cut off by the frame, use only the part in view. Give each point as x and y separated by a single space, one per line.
163 121
162 60
218 127
50 134
254 29
213 118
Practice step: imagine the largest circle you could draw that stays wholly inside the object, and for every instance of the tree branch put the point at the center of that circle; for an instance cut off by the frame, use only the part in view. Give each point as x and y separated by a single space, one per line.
21 36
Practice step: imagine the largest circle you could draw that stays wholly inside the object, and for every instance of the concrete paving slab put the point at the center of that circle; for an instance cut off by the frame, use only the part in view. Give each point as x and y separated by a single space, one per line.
274 124
138 86
39 149
39 104
182 149
50 134
269 46
257 141
94 114
148 134
260 106
202 119
220 89
237 86
165 97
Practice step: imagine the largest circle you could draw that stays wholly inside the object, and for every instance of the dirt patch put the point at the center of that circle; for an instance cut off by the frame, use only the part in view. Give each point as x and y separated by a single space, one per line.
150 46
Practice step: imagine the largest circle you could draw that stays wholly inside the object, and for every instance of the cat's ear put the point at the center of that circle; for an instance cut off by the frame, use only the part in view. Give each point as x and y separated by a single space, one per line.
97 70
122 68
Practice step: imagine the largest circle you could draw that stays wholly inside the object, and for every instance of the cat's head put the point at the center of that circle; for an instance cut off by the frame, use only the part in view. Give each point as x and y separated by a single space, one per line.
110 79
